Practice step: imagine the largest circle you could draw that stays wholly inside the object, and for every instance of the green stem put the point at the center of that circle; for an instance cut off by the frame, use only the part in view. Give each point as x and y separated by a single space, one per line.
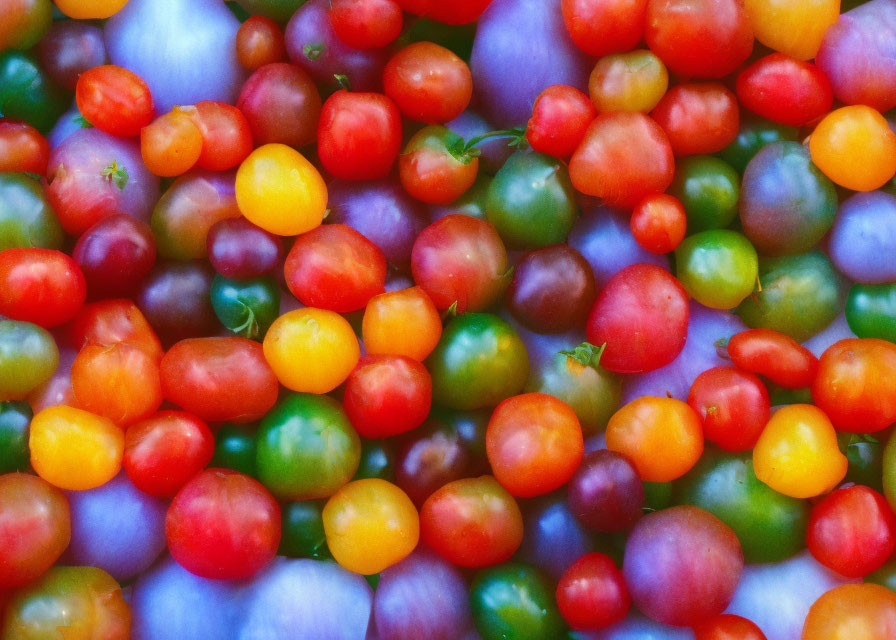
517 135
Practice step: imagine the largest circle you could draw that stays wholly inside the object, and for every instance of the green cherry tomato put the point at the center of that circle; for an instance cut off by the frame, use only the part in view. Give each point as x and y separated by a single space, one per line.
754 133
513 602
865 455
718 267
303 531
479 361
27 93
800 295
235 449
26 219
871 310
14 420
377 460
28 358
770 525
708 188
307 448
246 307
531 201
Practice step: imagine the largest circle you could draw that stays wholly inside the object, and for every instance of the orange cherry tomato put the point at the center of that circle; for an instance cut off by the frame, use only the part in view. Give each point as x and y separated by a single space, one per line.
404 322
852 612
171 145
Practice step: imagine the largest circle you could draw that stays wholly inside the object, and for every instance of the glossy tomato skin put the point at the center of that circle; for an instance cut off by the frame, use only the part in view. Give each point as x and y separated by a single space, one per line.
631 81
259 41
403 322
111 321
175 299
774 355
852 531
387 395
642 314
454 13
226 135
223 525
431 172
114 100
623 157
241 250
22 148
281 104
601 27
698 117
428 82
163 452
592 593
334 267
868 607
785 90
114 255
659 222
605 493
43 286
699 38
70 48
366 24
560 117
728 626
733 406
472 522
219 379
171 145
359 135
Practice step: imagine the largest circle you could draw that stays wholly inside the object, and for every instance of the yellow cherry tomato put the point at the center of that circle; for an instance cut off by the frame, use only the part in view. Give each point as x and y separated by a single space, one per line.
855 147
90 9
633 81
280 191
311 350
370 525
792 27
402 323
662 437
797 453
75 449
852 612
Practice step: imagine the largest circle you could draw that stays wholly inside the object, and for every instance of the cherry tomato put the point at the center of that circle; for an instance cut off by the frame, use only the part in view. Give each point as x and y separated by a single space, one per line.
698 118
429 83
455 13
592 593
25 24
70 48
366 24
659 222
632 81
22 148
599 27
226 135
774 355
733 405
432 171
472 522
560 117
171 145
795 29
728 626
785 90
43 286
90 9
241 250
112 321
162 453
259 41
114 255
854 611
114 100
223 525
605 493
404 322
281 104
718 267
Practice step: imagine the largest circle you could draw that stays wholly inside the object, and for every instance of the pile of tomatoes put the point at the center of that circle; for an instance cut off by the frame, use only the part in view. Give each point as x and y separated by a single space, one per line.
447 320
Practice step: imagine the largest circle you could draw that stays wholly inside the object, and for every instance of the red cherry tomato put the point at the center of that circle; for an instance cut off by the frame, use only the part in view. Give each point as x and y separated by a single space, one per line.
114 99
112 321
727 626
281 104
226 137
259 41
162 453
785 90
387 395
642 314
334 267
601 27
115 254
22 148
624 157
560 118
852 531
43 286
431 172
359 135
733 405
223 525
774 355
659 222
366 24
698 118
592 594
429 83
454 12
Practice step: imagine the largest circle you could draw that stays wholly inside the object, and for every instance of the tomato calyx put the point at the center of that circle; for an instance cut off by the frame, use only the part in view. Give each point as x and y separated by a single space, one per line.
343 81
117 174
517 137
82 122
313 50
586 354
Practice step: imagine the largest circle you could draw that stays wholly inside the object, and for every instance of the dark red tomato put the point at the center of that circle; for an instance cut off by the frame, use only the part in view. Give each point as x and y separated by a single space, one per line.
852 531
600 27
42 286
334 267
359 135
785 90
429 83
591 593
241 250
226 135
223 525
659 222
624 157
175 298
699 38
431 172
387 395
219 379
259 41
454 12
22 148
774 355
733 405
112 321
560 118
114 255
605 493
366 24
472 522
642 314
552 290
114 99
163 452
698 118
727 626
70 48
281 104
462 260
